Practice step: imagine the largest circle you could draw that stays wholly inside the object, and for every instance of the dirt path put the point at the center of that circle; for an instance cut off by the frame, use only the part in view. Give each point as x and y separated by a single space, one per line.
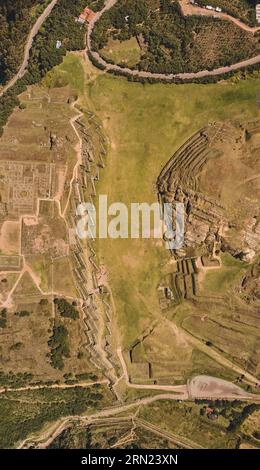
189 9
220 359
61 386
51 433
91 288
159 76
47 437
181 441
78 149
35 29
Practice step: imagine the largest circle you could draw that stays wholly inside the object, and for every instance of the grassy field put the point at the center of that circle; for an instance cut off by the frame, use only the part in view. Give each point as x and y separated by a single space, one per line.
125 52
185 421
70 72
220 281
145 124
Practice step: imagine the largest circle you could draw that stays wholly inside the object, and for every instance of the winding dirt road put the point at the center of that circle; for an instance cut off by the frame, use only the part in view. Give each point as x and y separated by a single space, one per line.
159 76
35 29
54 386
45 439
189 9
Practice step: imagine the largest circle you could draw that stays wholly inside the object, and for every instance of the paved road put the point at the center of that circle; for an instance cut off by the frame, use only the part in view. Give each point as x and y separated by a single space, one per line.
35 29
159 76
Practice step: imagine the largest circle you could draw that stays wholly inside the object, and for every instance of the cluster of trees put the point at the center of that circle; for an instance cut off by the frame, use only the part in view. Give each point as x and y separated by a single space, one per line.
59 345
242 9
60 25
70 378
170 40
41 406
96 5
231 410
12 380
3 318
23 313
66 309
86 376
239 418
73 438
135 10
15 23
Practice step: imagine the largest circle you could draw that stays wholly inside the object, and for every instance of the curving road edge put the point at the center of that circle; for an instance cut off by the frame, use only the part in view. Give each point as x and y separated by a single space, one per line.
167 77
35 29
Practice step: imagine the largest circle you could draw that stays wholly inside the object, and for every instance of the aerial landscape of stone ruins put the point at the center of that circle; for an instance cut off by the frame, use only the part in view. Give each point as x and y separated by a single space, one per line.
122 343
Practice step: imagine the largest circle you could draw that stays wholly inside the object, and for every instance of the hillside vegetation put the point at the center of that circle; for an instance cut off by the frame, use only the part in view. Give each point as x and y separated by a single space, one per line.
60 25
243 9
16 19
171 43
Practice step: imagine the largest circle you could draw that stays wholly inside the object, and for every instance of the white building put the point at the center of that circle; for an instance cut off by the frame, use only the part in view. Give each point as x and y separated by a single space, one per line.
258 12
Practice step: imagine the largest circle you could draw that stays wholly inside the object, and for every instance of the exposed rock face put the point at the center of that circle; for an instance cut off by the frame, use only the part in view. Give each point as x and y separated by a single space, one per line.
216 175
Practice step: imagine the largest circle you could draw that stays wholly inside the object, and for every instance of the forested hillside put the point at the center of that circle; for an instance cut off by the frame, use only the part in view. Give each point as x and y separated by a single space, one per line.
44 55
243 9
170 42
16 18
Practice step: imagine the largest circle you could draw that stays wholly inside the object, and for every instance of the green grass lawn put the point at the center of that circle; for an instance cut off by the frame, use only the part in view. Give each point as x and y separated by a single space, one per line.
185 421
144 125
219 281
70 72
125 52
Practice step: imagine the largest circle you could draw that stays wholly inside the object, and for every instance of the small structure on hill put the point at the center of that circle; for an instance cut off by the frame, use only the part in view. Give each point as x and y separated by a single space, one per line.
210 413
86 16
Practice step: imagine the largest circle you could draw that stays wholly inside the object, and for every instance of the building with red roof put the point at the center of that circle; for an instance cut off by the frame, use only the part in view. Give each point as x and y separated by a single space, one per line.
86 16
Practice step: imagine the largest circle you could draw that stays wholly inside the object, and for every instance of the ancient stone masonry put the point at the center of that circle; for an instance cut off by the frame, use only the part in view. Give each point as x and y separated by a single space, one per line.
95 298
221 212
249 290
21 184
144 368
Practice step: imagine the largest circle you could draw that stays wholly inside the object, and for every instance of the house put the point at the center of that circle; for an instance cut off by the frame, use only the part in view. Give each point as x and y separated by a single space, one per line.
258 12
211 413
86 16
91 15
81 19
